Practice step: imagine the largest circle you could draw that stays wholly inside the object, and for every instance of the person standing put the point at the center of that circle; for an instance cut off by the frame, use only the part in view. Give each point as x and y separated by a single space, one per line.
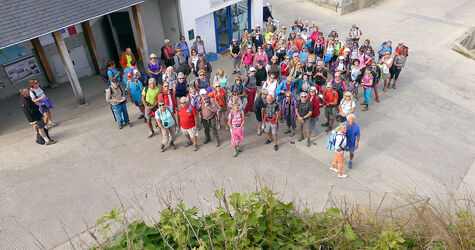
181 63
112 72
236 120
399 62
115 96
167 53
188 122
385 47
289 106
270 114
150 101
235 51
387 63
271 84
330 97
219 96
134 88
34 116
250 84
39 97
183 45
126 57
353 137
340 144
166 121
199 45
155 68
208 110
320 76
304 116
258 105
261 74
367 82
247 58
203 64
317 104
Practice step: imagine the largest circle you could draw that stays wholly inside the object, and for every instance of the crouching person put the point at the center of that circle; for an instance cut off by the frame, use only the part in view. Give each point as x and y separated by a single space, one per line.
166 122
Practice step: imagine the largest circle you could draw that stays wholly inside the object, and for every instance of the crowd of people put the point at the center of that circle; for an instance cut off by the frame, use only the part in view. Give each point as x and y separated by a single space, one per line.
282 75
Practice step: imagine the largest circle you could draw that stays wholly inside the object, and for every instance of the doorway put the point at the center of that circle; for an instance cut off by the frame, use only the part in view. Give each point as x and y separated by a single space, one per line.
122 33
80 63
230 22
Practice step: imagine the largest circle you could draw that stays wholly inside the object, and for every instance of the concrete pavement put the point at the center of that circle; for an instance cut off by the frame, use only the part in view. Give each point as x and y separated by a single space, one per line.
418 138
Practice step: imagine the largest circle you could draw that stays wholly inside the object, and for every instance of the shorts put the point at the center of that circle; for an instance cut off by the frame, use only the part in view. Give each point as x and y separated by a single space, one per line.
192 132
40 123
269 127
330 112
236 61
351 150
386 76
138 103
147 113
306 125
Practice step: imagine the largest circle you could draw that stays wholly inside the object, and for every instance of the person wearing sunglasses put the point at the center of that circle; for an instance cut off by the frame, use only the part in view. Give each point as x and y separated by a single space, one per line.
270 84
188 122
304 112
166 121
219 95
181 87
202 81
168 96
134 88
208 110
235 51
39 97
258 105
347 106
289 106
155 68
183 45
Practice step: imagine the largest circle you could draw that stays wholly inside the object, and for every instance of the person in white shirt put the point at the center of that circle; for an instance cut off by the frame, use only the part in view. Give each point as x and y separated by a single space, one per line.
271 84
340 144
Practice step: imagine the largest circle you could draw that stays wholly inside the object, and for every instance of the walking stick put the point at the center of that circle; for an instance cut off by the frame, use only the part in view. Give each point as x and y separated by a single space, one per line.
113 115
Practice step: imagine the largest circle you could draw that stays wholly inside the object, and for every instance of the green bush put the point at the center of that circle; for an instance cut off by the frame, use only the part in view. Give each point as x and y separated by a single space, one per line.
256 221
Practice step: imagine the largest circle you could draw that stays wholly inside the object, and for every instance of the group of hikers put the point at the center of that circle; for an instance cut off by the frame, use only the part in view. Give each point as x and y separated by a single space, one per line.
288 76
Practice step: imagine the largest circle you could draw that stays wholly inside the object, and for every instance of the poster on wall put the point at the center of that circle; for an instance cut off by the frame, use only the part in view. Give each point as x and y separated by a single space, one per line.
22 69
13 53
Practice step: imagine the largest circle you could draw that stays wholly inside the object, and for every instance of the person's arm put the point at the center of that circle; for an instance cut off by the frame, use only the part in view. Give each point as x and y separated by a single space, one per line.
165 52
243 117
197 85
195 115
338 141
336 100
262 113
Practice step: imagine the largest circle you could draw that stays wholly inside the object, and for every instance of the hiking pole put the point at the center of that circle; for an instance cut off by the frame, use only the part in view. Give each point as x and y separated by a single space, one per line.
113 115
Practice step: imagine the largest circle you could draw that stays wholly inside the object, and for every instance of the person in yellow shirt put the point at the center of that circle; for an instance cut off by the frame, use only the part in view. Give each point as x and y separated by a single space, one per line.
150 101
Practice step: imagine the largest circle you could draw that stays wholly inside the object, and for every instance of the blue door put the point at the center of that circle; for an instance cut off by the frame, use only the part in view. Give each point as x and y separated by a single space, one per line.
230 23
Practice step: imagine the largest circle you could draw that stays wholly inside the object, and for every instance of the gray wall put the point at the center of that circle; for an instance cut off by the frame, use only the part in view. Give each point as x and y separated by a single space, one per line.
170 25
152 21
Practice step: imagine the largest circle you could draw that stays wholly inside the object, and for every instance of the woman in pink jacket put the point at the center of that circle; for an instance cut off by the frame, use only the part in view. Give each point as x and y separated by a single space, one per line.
260 55
247 57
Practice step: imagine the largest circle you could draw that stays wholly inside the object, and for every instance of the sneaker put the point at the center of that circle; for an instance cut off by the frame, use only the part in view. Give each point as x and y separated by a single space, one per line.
121 126
300 138
247 115
172 145
276 147
328 129
326 124
218 142
342 176
235 153
130 124
268 141
394 86
308 143
150 134
334 169
350 164
206 141
188 143
195 148
162 148
365 108
141 117
239 149
377 100
51 142
292 134
52 124
259 132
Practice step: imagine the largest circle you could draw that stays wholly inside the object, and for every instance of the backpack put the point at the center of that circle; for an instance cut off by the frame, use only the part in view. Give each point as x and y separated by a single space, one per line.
331 141
104 75
189 108
40 139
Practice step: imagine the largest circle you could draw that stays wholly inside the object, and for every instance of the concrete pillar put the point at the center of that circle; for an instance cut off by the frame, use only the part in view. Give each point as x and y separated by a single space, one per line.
44 60
91 45
143 48
68 64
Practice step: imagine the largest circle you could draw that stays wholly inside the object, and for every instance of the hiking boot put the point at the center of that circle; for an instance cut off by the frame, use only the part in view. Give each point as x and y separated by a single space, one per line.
247 115
150 134
172 145
206 141
162 148
188 143
350 164
51 142
141 117
292 134
234 72
300 138
326 124
328 129
218 142
259 132
308 143
121 126
130 124
287 132
363 103
365 108
268 141
342 176
394 86
377 99
276 147
235 153
195 148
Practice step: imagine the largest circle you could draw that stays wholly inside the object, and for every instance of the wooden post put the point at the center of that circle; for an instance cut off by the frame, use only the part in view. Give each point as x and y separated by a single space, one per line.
68 64
43 59
91 45
143 48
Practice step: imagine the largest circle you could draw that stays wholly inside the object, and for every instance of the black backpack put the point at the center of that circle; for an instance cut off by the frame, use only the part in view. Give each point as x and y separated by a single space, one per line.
39 138
104 75
162 56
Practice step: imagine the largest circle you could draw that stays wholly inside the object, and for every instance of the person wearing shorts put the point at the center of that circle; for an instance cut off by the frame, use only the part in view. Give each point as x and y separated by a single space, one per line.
270 114
34 115
150 101
304 117
353 137
188 122
235 51
330 97
134 88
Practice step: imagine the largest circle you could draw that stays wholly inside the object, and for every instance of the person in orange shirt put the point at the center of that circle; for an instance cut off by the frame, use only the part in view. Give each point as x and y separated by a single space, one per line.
126 58
299 41
219 95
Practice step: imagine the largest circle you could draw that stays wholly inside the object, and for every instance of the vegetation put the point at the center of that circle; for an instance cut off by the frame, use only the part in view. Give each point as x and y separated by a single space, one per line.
260 221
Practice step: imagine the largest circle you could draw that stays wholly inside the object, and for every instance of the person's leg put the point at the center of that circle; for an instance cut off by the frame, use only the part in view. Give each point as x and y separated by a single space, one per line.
188 137
314 125
125 113
149 123
215 130
335 160
396 76
118 114
206 126
340 163
164 140
142 110
376 91
288 122
47 116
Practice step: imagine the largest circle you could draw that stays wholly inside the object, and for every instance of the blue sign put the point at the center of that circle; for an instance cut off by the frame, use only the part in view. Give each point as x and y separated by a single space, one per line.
13 53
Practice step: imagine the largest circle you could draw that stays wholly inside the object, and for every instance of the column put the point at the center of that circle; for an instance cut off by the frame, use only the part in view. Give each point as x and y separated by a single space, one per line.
91 45
68 64
44 60
143 48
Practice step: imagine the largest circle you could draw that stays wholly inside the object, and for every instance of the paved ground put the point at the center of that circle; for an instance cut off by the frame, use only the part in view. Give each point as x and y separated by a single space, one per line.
418 138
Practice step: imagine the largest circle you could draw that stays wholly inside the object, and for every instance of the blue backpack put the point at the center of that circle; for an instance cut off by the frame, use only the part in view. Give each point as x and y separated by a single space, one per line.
331 141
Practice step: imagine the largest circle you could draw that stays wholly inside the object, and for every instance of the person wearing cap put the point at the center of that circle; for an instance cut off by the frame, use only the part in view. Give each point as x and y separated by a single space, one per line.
355 34
155 68
187 119
247 58
333 34
235 50
320 76
199 45
289 105
166 121
134 88
258 105
339 66
115 96
270 52
261 73
270 116
168 96
260 56
250 84
304 111
330 98
219 96
167 53
385 47
208 110
317 103
150 101
203 64
183 45
126 57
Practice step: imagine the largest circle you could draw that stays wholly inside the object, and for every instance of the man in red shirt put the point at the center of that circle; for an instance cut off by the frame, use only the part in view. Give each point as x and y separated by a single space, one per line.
167 96
188 122
330 96
315 99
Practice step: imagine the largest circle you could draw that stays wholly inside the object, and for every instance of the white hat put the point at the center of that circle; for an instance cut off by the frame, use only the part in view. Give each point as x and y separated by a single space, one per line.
153 55
252 69
341 58
203 92
166 41
313 88
329 85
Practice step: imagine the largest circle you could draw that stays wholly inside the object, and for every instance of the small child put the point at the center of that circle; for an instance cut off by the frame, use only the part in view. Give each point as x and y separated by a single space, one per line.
236 121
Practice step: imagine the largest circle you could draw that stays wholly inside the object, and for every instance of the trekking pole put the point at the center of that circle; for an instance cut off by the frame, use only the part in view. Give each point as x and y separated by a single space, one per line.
113 115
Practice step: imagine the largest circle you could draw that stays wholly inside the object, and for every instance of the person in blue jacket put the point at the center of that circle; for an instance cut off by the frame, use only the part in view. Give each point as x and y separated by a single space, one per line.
286 84
303 84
